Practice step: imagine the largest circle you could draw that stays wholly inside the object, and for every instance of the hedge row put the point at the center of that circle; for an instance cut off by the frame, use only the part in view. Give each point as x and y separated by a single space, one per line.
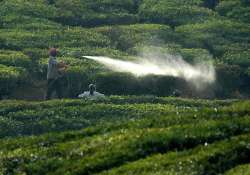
28 119
10 77
238 170
93 13
103 152
174 13
85 13
200 34
235 9
15 59
217 36
16 39
207 158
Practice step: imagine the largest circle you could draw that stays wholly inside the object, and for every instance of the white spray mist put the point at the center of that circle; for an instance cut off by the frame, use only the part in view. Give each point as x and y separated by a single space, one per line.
200 74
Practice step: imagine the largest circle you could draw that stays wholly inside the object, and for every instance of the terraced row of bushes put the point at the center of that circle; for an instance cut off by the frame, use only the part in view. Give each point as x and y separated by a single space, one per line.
174 13
241 169
26 119
185 137
215 158
91 13
198 30
238 10
10 78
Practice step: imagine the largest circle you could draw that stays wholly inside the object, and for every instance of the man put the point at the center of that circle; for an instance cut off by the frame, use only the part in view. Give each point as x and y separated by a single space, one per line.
54 75
92 93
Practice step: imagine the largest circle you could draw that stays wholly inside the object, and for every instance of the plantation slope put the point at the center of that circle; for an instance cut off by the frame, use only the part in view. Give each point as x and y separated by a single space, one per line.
239 170
213 158
199 31
22 118
147 138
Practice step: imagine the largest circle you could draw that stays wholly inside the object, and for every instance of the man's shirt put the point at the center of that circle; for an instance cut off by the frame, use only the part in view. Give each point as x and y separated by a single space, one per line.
96 95
52 69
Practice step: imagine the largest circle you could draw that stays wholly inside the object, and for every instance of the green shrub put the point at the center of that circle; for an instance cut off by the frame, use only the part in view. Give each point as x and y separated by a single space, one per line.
102 152
111 112
235 9
12 21
35 53
27 8
204 159
241 58
13 58
125 37
72 37
210 3
92 13
214 34
10 78
229 76
238 170
94 51
173 13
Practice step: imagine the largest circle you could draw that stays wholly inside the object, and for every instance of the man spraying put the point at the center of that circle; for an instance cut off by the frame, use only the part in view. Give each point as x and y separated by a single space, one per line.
54 74
92 93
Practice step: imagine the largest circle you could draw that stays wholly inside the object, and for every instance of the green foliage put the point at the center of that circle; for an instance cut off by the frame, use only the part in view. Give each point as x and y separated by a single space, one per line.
76 12
66 37
241 58
215 35
124 134
146 135
197 30
27 8
75 114
235 9
16 59
126 37
10 77
248 71
92 13
241 169
28 23
210 3
208 159
230 76
173 13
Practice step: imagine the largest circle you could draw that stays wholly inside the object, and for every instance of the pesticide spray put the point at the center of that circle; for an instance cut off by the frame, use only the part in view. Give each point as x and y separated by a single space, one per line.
200 74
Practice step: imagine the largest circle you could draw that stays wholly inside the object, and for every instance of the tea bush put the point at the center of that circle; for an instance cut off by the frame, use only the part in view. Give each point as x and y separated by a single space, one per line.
215 35
242 58
207 159
124 134
91 13
73 37
173 13
241 169
126 37
121 135
44 116
10 77
16 59
151 129
197 30
238 10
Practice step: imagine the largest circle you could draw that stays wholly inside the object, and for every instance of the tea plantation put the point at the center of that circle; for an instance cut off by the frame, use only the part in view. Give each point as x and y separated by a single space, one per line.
138 128
197 30
125 135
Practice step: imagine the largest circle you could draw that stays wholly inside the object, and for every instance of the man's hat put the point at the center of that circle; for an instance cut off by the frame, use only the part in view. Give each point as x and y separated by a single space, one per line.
52 52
